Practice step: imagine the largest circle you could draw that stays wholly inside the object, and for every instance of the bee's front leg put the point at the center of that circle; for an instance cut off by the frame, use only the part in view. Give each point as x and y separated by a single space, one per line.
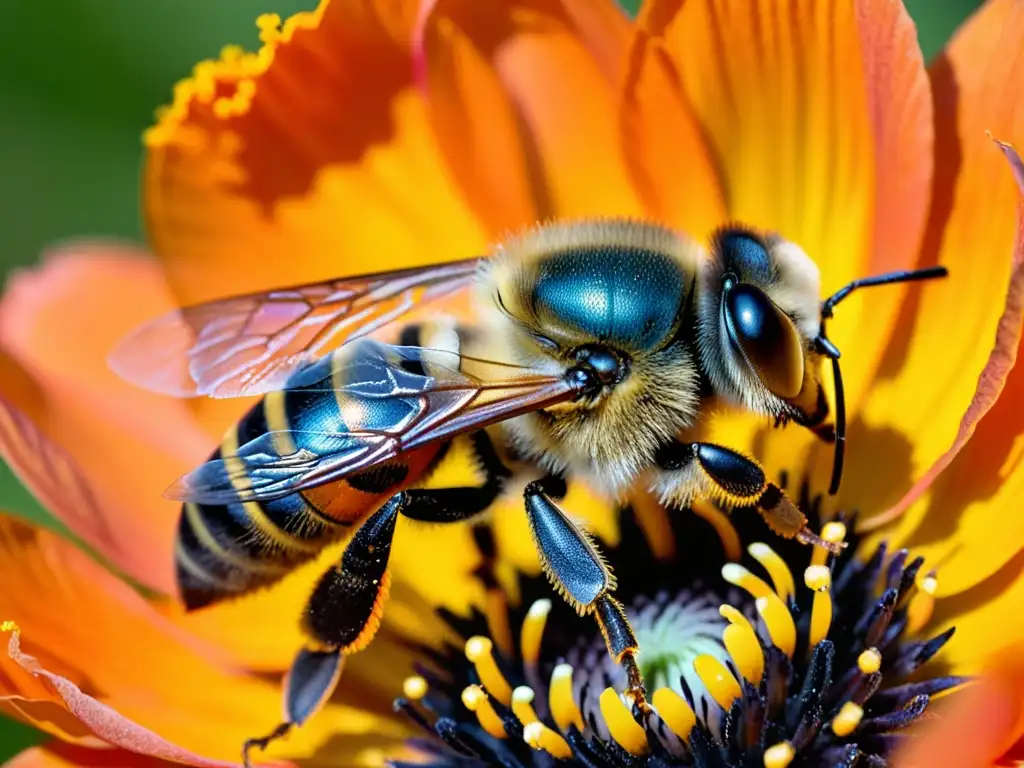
729 476
578 571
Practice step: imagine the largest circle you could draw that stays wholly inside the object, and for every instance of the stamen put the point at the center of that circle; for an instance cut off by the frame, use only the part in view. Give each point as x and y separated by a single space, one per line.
522 705
621 725
479 650
779 755
414 688
533 630
848 719
870 661
741 643
563 705
722 525
496 611
919 612
739 576
540 737
717 679
781 576
476 701
833 533
779 621
675 712
819 578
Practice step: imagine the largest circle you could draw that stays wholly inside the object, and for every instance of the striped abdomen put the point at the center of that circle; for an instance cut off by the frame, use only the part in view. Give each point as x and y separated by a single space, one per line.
227 550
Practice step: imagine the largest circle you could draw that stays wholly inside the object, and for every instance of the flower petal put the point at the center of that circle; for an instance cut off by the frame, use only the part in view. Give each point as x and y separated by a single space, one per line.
941 365
976 726
60 755
523 99
312 158
819 120
101 653
57 325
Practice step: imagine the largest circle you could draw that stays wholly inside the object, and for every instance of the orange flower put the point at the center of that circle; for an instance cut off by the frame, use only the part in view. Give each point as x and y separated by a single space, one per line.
368 135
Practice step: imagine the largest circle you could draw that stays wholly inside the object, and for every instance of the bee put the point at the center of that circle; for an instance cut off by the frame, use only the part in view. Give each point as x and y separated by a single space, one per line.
591 350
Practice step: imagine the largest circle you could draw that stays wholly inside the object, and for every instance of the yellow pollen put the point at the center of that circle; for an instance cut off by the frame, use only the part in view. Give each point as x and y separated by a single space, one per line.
563 705
479 650
674 710
414 688
533 630
819 578
781 576
741 643
8 626
848 719
717 679
870 661
777 618
919 612
623 728
540 737
833 533
744 579
779 755
522 704
476 701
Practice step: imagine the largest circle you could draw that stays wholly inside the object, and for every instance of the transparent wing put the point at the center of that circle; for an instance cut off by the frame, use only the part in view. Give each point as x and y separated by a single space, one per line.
251 344
422 408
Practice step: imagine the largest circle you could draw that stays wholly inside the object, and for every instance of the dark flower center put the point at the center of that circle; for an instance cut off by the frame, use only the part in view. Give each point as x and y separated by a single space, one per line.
782 655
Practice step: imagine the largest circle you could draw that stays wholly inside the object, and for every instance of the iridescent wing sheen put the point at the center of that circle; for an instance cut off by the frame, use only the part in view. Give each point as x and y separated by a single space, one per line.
429 401
251 344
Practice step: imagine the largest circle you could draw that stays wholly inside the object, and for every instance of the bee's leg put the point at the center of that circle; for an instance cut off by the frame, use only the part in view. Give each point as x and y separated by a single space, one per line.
578 571
741 481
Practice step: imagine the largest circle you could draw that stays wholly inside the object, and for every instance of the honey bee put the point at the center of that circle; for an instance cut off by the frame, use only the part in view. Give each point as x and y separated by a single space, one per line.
593 351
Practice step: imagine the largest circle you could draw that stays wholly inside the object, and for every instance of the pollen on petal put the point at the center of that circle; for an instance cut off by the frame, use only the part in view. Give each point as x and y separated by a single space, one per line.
414 688
623 728
869 661
848 719
779 755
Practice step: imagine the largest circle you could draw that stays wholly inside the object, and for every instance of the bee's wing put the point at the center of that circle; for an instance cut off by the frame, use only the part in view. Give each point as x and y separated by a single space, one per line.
251 344
425 407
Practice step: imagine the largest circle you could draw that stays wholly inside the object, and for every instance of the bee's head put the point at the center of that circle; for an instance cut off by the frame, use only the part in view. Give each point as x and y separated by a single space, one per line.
758 316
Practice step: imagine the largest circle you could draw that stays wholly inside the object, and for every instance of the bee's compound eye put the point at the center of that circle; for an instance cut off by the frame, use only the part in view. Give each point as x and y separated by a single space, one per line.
766 338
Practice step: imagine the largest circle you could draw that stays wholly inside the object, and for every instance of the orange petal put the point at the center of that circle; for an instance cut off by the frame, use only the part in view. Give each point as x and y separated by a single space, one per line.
312 158
975 727
521 99
819 120
118 447
60 755
92 648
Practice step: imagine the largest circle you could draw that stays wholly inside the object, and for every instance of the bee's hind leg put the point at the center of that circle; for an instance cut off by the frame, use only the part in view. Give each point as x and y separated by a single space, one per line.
578 571
740 480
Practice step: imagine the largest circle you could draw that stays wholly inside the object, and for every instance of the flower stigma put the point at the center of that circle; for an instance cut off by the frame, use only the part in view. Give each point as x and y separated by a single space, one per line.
789 655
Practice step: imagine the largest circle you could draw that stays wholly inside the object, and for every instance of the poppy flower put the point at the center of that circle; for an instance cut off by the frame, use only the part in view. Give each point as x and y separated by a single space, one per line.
369 135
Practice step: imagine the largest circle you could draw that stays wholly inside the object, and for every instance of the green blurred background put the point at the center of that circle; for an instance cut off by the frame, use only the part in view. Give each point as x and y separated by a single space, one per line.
79 80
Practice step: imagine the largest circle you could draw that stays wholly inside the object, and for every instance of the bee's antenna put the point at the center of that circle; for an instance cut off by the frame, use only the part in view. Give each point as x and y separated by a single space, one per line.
829 350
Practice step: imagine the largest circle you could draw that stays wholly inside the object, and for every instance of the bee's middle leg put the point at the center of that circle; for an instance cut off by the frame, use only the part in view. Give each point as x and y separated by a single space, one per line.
738 479
578 571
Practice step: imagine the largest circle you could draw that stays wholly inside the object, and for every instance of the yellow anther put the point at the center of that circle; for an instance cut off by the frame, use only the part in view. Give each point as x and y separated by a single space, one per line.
833 533
522 704
741 643
781 576
777 618
621 725
561 700
919 612
717 679
479 650
779 755
870 661
744 579
540 737
476 701
819 578
533 630
496 611
673 709
848 719
414 688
